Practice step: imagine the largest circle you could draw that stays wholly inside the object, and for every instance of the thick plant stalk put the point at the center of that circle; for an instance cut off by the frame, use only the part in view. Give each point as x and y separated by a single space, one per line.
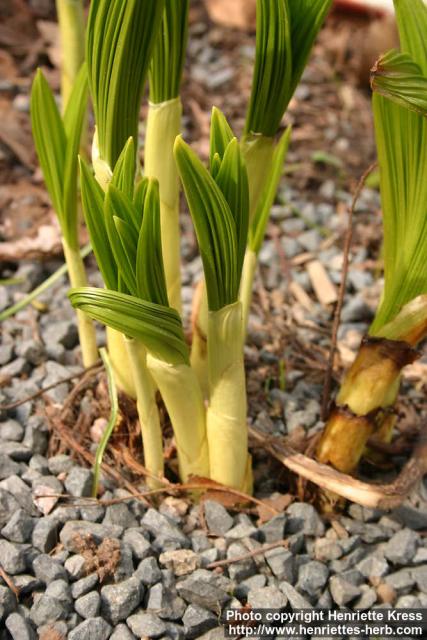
199 342
163 126
120 363
147 412
86 329
248 275
258 151
183 398
364 405
72 33
226 417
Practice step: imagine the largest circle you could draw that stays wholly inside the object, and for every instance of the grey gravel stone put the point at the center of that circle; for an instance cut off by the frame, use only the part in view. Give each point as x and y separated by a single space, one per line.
281 562
140 546
19 628
122 632
15 368
6 353
274 529
11 430
79 482
267 598
303 517
157 523
7 602
64 332
198 620
60 463
401 548
19 527
119 600
36 435
88 606
121 515
75 566
218 519
146 625
241 530
253 583
39 463
342 591
296 600
373 566
8 467
148 571
420 576
196 589
242 569
98 532
47 609
84 585
402 581
356 310
367 599
20 491
91 629
164 601
26 583
45 534
48 569
60 590
326 550
32 350
17 451
312 577
12 557
92 512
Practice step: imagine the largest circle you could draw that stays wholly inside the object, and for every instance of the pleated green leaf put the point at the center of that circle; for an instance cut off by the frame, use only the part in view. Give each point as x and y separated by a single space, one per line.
397 77
215 227
158 327
286 30
93 210
124 172
401 137
232 179
50 141
169 52
116 207
221 135
150 273
139 198
120 40
266 201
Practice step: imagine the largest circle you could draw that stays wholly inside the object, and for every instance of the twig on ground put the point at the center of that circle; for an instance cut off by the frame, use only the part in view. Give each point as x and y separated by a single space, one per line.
40 392
8 580
341 293
377 496
246 556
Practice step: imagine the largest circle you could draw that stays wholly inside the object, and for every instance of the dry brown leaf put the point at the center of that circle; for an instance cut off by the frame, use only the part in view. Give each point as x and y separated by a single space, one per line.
46 243
15 133
240 14
280 502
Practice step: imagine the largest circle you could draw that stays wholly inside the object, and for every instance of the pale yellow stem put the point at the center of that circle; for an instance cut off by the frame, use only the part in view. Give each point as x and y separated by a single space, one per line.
163 126
227 413
72 34
246 285
199 343
183 398
86 329
147 412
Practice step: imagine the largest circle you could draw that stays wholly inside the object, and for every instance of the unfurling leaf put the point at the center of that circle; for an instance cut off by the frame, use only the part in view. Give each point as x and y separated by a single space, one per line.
397 77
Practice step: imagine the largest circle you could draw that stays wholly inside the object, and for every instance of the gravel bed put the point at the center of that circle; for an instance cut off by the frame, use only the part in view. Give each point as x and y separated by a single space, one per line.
123 571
